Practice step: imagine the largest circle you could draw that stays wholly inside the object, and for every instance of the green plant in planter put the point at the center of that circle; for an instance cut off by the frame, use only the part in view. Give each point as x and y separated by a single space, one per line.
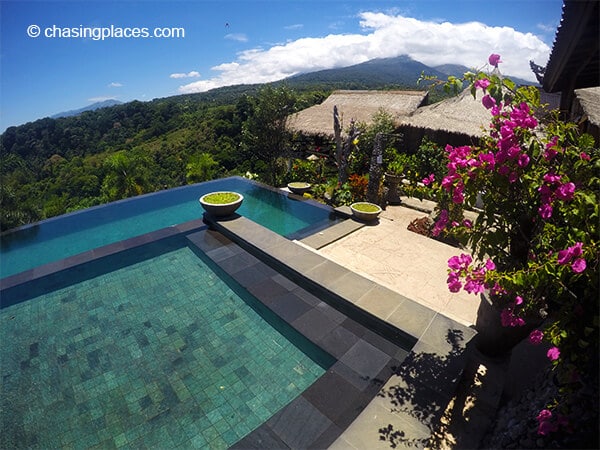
220 198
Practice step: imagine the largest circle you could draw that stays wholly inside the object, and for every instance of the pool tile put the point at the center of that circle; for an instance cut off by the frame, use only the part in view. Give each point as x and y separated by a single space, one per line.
299 424
314 325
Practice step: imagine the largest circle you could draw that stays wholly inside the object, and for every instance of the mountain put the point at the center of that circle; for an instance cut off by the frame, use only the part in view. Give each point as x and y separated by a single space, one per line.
398 72
92 107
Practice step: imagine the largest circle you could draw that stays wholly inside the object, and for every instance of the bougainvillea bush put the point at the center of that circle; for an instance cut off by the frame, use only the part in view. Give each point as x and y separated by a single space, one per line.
534 247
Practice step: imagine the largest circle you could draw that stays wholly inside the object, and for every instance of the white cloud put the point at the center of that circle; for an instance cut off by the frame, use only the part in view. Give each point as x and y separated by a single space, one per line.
384 36
240 37
192 74
115 85
295 26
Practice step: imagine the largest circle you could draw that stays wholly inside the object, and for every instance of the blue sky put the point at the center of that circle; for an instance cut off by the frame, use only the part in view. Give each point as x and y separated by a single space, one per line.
230 42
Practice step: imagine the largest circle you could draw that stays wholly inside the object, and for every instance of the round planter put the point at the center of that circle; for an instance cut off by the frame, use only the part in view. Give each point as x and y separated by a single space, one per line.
492 338
392 181
299 187
365 211
220 209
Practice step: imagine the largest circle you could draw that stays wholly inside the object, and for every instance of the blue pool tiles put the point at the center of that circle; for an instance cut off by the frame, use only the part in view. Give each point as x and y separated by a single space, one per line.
314 419
161 354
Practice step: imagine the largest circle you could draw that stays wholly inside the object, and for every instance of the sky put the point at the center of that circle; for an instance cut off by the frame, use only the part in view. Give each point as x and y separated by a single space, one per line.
59 56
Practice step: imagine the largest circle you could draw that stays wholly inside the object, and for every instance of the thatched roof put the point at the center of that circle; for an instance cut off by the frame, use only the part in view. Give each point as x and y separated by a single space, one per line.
461 114
357 105
589 99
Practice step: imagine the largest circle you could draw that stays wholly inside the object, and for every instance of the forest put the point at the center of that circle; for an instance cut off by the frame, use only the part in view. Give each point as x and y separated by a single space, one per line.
53 166
57 165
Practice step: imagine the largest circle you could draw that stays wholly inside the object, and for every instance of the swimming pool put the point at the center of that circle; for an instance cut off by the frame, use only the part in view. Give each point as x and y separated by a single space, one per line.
162 352
74 233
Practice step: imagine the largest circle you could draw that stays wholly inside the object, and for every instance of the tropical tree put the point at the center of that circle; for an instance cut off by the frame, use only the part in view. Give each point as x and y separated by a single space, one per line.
264 133
201 167
126 176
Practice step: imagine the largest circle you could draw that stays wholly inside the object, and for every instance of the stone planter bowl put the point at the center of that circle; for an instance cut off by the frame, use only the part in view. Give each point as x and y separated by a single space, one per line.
358 211
299 187
221 209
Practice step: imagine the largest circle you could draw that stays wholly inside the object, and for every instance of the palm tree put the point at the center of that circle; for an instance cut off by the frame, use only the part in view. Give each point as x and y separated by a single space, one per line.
126 176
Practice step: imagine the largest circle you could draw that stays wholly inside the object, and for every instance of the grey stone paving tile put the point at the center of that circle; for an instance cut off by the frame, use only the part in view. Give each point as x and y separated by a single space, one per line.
351 286
412 318
314 325
300 424
365 359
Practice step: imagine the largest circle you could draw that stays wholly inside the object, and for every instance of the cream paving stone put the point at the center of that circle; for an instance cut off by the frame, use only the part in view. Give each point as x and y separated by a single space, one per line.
408 263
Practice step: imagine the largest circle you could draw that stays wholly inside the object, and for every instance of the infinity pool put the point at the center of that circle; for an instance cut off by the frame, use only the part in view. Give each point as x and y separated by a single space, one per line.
74 233
164 352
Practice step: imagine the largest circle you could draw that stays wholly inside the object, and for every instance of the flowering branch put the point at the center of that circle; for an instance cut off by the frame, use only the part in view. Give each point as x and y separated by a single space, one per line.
535 240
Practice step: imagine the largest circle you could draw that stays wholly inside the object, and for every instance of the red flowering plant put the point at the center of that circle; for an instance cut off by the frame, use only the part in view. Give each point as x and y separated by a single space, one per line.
535 240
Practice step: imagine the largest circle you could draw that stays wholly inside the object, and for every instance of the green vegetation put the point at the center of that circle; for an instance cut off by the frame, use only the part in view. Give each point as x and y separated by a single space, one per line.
221 198
53 166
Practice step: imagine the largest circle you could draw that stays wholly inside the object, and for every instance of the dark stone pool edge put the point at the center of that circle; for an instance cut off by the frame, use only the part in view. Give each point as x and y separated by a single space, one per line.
438 338
364 359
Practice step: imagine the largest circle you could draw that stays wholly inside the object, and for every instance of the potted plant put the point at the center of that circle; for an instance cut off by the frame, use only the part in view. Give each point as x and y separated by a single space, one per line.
393 177
365 211
299 187
221 203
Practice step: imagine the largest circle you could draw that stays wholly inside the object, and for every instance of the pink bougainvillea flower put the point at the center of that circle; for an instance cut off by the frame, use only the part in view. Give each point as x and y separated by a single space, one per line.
467 223
536 337
488 101
566 256
545 211
494 60
489 265
566 191
523 160
518 300
584 156
484 83
428 180
545 426
508 319
454 284
578 265
553 353
543 415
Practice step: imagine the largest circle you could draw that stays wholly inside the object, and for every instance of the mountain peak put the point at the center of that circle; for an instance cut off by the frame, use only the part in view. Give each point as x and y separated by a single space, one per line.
92 107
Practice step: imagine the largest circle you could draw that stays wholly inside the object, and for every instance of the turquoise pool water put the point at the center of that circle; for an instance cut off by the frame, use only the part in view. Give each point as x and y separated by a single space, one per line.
161 353
68 235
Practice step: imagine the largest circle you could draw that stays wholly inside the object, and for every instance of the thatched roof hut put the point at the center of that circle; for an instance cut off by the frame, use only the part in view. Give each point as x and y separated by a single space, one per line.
358 105
586 111
459 120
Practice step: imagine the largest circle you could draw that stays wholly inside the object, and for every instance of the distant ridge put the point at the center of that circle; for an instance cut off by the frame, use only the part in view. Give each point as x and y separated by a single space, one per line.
398 72
92 107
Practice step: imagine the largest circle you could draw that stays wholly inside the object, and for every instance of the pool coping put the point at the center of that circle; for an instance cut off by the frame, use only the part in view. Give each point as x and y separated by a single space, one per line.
440 341
364 360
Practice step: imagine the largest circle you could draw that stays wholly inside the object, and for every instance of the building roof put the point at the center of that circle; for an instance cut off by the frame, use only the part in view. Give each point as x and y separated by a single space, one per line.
589 100
358 105
574 62
462 114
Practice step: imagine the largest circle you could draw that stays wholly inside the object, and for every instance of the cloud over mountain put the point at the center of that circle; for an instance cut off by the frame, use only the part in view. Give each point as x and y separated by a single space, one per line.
383 36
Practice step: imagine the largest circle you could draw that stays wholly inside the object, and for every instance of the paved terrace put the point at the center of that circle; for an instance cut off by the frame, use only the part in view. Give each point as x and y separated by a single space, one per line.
411 401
